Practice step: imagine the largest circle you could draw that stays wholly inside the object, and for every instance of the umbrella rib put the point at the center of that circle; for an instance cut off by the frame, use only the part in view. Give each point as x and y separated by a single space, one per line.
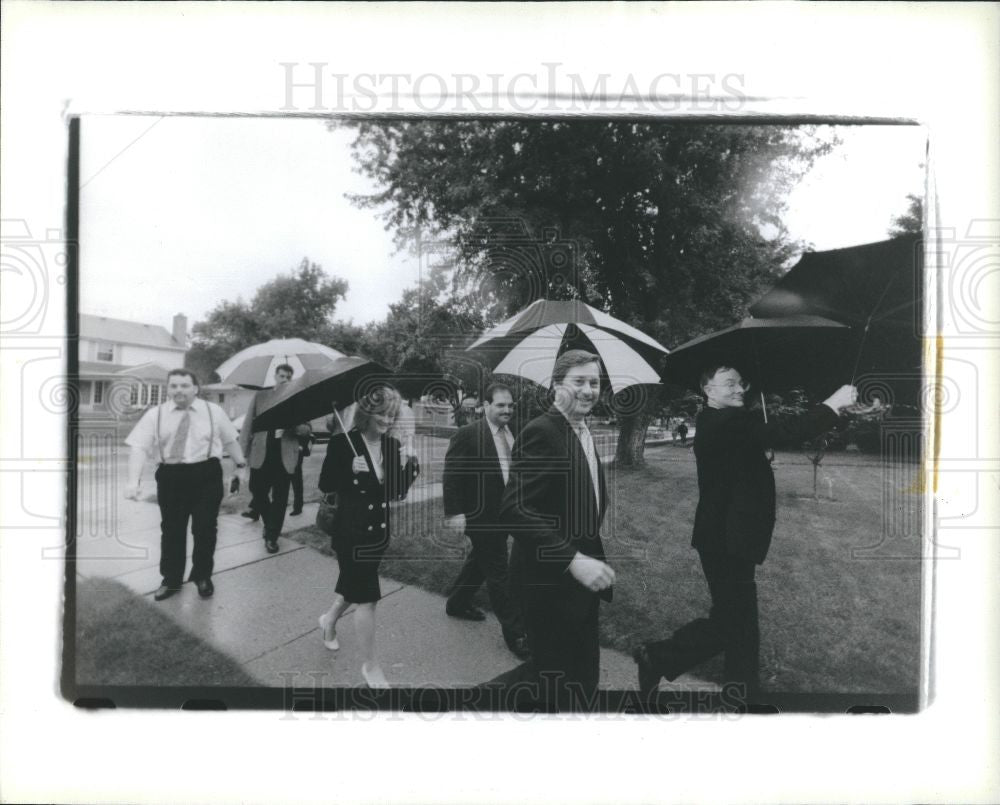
868 322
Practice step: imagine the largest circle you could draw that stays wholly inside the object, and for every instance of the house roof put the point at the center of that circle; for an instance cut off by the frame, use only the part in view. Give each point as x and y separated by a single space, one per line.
100 369
146 371
126 332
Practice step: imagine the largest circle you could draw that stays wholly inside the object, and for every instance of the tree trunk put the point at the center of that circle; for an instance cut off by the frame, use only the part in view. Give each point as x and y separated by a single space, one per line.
632 440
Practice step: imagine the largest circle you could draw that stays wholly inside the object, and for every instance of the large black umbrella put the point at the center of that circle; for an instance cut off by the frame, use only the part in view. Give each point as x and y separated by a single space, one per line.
318 392
771 354
877 289
528 343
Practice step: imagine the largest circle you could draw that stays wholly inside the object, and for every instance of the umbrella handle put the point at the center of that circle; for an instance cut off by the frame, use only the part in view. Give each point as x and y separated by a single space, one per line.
336 413
763 405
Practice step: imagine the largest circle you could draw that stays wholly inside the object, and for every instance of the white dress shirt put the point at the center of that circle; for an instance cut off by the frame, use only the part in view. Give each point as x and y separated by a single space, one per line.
587 443
209 429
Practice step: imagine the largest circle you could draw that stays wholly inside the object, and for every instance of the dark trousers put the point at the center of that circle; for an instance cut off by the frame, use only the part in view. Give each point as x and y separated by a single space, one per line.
269 490
297 486
487 562
188 492
565 652
731 627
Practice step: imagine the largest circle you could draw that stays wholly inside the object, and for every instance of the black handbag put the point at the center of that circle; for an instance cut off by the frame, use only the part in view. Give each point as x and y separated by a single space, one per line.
326 517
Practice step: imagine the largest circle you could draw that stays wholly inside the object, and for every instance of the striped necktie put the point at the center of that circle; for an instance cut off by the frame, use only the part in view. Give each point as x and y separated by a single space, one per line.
177 446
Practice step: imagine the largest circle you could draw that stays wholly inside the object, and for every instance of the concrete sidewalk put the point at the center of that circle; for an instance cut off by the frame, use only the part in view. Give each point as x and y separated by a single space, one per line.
264 612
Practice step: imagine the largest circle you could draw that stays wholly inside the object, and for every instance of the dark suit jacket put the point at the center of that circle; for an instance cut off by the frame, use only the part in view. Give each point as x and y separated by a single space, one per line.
362 500
473 481
550 509
736 508
255 444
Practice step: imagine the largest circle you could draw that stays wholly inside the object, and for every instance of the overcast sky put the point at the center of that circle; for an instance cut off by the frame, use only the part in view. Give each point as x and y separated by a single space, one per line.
179 213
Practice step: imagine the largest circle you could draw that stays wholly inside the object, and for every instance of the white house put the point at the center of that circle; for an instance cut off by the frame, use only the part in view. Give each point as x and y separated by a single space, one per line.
124 364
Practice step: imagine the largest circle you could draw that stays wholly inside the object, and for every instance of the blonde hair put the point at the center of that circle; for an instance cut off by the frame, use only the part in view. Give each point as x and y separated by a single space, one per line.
380 400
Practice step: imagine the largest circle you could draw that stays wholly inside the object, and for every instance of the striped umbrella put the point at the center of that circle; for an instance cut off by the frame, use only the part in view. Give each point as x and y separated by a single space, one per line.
528 343
254 366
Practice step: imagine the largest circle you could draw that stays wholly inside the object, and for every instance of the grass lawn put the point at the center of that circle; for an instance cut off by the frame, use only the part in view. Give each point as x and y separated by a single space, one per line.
121 639
831 622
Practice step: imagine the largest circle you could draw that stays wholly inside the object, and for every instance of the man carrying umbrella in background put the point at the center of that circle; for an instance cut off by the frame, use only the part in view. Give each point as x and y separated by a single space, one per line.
732 529
273 457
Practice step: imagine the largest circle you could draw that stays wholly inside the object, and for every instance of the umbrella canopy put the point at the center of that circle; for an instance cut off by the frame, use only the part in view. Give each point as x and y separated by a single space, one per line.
254 366
528 343
876 288
317 392
772 354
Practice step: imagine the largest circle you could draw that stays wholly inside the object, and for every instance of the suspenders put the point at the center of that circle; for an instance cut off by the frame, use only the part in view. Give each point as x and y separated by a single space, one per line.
211 431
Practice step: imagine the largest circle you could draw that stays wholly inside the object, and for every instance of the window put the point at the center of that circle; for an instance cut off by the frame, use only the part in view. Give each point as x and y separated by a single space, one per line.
85 392
154 395
98 392
105 351
145 394
133 397
222 399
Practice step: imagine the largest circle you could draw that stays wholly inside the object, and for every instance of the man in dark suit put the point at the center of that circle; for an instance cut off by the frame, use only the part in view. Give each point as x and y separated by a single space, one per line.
305 450
732 528
273 456
476 468
553 506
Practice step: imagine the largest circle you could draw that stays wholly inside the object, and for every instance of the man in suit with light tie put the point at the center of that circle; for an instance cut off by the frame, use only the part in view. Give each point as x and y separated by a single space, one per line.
187 438
273 456
476 468
553 506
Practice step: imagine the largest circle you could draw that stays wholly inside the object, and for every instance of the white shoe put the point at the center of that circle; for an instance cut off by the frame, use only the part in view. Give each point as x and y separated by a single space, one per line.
374 677
333 644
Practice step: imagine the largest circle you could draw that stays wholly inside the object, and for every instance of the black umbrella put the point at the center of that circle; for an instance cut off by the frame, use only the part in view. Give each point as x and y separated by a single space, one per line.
318 392
877 289
772 354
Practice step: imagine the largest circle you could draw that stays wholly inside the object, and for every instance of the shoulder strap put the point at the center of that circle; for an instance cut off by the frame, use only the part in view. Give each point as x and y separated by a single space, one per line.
211 430
159 444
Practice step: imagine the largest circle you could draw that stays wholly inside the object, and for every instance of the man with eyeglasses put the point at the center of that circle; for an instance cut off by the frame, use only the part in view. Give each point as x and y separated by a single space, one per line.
732 528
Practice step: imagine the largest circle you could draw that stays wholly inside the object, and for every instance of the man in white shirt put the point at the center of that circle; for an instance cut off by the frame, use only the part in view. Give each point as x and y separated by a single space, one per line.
476 468
186 437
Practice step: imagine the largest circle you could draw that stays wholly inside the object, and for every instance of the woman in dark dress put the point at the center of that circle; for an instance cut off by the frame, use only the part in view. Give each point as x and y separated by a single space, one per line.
366 469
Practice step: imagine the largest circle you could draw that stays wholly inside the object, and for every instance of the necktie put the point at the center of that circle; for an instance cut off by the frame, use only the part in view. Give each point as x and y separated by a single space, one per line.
587 442
504 453
180 438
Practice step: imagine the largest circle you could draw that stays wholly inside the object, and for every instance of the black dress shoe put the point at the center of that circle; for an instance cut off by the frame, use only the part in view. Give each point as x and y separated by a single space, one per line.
468 614
271 545
205 588
250 514
165 591
649 677
519 648
296 511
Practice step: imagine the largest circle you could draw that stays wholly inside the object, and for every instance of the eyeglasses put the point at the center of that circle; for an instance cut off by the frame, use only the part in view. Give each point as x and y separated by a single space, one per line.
732 385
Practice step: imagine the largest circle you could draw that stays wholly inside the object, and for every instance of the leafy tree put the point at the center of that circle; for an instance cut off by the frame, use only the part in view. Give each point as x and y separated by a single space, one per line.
910 222
673 228
299 304
419 339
